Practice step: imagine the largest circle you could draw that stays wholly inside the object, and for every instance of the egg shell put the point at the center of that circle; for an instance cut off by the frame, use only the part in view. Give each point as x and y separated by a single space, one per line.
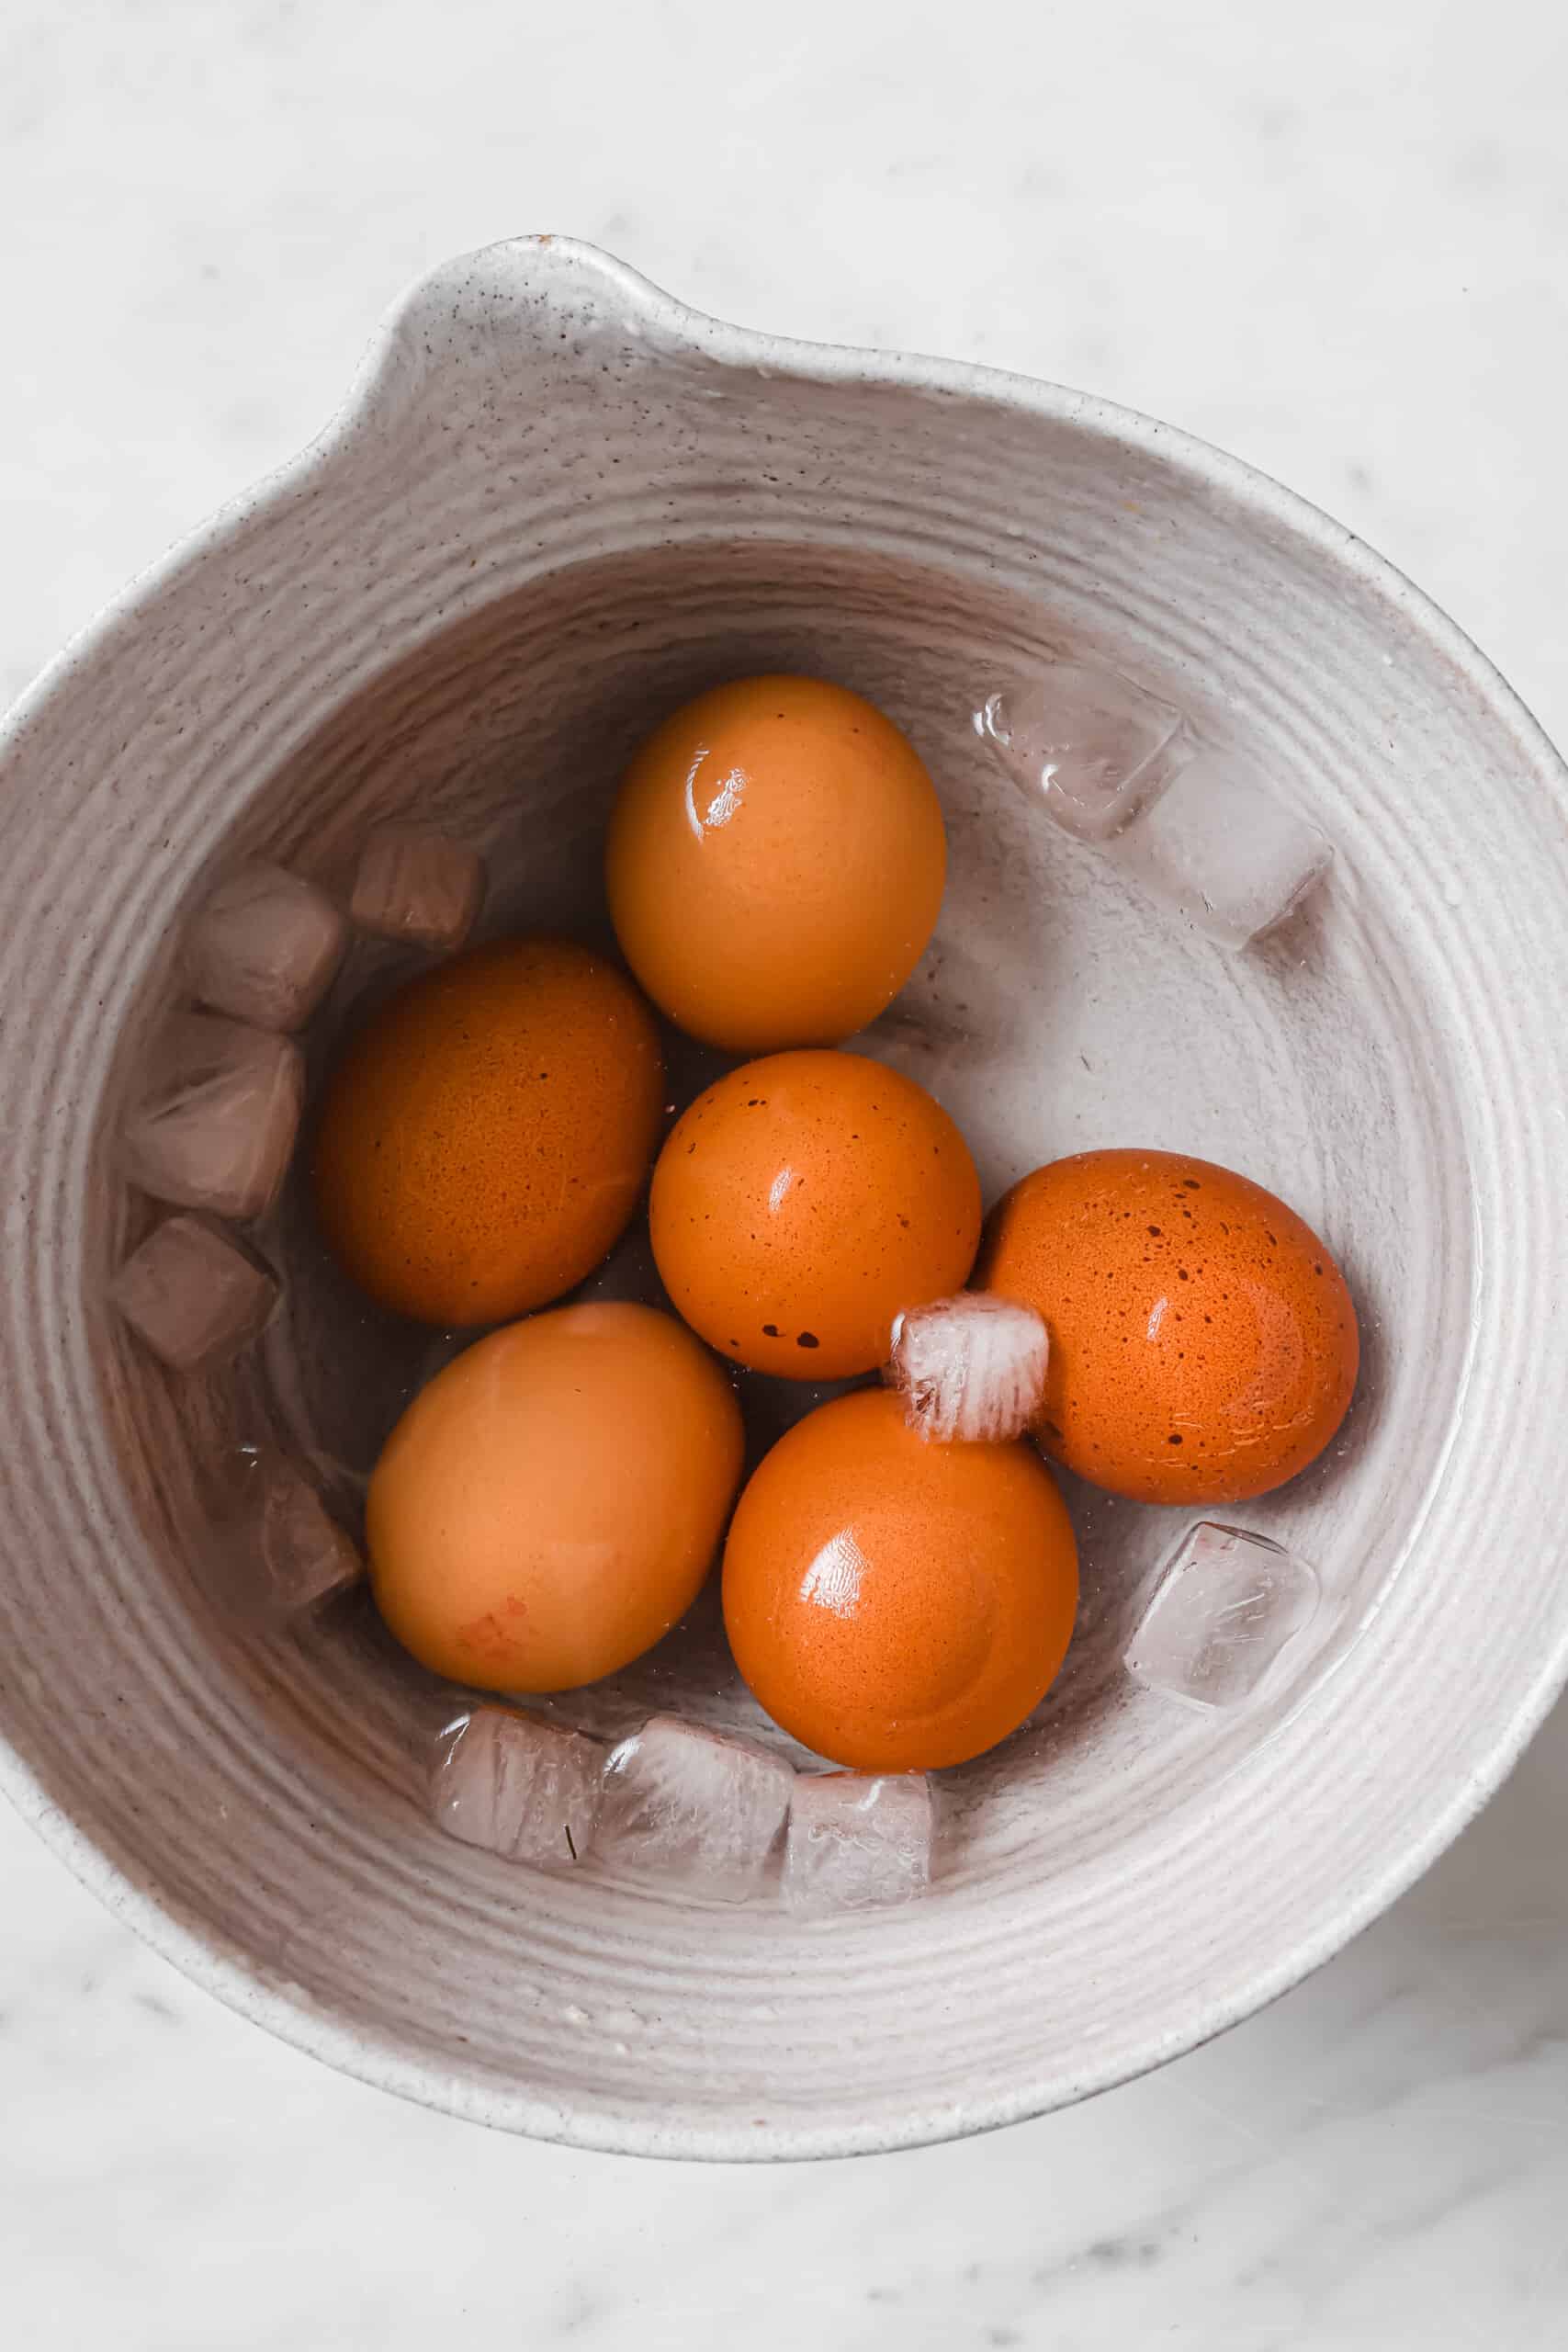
776 863
1203 1342
483 1141
897 1605
550 1504
804 1201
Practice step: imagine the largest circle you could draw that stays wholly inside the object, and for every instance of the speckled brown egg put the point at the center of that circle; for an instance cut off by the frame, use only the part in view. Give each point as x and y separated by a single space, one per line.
1203 1344
484 1139
805 1201
898 1606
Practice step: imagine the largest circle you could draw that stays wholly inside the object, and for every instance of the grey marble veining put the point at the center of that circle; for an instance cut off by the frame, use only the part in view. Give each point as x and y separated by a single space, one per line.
1348 273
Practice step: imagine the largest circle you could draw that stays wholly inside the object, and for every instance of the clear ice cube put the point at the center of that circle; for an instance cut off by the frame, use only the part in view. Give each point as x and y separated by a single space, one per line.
856 1841
1085 744
218 1115
971 1368
525 1790
194 1296
1224 1607
265 947
1223 850
419 888
283 1555
685 1803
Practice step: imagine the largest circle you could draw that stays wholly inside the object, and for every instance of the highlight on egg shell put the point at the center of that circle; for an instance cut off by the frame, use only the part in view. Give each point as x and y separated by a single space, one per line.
483 1141
806 1200
551 1502
898 1606
1204 1344
776 863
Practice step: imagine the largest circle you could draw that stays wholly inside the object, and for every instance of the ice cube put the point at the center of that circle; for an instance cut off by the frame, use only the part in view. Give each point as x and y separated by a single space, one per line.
857 1841
971 1368
684 1802
194 1296
525 1790
266 948
218 1116
420 887
1225 853
1224 1607
301 1555
1086 745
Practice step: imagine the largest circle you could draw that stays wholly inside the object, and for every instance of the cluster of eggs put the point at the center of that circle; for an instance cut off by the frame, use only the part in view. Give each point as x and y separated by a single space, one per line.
551 1502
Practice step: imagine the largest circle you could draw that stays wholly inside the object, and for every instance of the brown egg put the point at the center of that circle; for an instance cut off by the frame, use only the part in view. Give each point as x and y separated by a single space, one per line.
805 1201
897 1605
776 863
551 1503
483 1141
1203 1345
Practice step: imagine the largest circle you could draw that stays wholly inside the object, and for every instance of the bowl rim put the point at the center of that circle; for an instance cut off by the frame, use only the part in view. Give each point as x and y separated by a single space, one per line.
567 267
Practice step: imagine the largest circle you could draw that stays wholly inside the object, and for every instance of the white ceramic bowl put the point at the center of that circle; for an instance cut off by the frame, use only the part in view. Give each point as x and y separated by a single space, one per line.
555 503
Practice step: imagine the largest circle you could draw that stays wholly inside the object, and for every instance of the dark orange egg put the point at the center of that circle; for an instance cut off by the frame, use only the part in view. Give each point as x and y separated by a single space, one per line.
1204 1344
897 1605
484 1139
805 1201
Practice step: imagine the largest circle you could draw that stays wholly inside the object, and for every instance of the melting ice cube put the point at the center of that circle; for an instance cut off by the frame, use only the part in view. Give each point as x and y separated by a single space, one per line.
1223 1609
527 1790
1089 746
283 1555
971 1368
684 1802
1225 852
857 1841
195 1297
1115 765
218 1115
420 887
266 948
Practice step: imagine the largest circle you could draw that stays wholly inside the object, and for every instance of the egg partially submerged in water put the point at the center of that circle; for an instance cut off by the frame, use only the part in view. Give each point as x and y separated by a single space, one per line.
550 1503
776 863
1203 1345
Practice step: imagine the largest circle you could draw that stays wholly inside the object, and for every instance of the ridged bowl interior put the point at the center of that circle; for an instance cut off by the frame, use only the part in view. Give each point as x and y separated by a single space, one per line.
557 505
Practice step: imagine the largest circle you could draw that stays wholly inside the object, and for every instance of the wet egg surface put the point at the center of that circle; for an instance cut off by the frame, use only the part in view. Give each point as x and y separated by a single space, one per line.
805 1201
897 1605
551 1502
1203 1342
483 1141
776 863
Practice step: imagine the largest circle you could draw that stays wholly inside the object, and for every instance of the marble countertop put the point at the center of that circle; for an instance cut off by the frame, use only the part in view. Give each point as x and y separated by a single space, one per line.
1335 250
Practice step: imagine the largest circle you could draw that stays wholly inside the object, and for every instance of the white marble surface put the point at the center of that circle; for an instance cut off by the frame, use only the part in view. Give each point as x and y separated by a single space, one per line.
1331 240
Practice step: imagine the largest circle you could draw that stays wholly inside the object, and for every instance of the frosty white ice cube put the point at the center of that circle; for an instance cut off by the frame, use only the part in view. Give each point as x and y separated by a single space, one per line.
1226 854
265 947
194 1294
1225 1607
421 887
216 1117
685 1803
1086 745
970 1368
527 1790
857 1841
283 1554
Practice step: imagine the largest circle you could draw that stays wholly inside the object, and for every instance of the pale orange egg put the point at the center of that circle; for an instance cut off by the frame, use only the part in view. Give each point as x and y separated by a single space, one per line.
776 863
802 1203
897 1605
1203 1345
550 1504
484 1139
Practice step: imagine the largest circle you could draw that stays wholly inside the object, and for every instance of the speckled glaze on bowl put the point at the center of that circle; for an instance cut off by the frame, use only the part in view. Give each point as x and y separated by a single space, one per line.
555 503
